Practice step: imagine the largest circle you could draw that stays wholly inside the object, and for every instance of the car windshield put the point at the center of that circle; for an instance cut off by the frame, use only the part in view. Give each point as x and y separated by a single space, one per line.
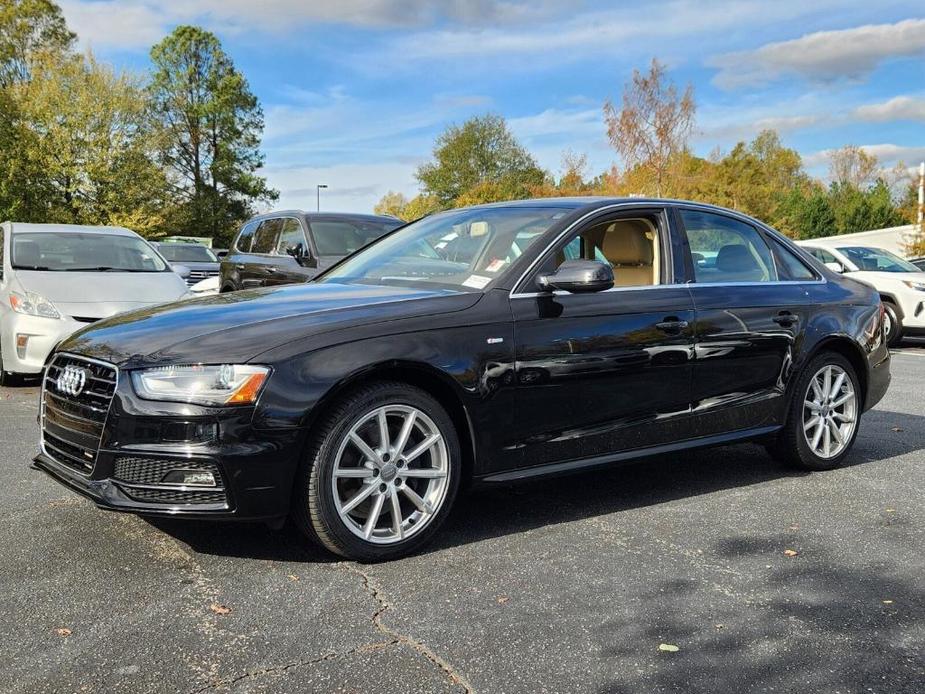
187 253
343 237
462 249
81 252
877 260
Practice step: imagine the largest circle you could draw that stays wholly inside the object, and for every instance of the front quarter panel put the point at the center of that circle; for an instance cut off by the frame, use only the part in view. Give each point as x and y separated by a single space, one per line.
469 353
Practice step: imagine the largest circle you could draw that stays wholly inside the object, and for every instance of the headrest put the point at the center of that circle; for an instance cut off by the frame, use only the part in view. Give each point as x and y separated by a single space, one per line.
628 243
27 253
478 229
736 258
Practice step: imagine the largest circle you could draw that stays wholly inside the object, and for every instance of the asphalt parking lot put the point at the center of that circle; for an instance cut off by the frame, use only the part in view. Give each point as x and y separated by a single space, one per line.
715 570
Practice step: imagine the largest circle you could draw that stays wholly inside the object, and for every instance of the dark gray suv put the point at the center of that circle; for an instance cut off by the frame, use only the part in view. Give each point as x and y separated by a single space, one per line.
293 246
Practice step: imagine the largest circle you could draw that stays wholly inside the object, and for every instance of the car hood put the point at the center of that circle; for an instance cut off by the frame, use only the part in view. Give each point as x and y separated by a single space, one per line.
102 294
872 277
236 327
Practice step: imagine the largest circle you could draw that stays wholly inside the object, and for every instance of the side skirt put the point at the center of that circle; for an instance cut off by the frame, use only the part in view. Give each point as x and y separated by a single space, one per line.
571 466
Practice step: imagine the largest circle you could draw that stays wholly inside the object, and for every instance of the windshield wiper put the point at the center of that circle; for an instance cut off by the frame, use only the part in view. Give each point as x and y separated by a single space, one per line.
40 268
105 268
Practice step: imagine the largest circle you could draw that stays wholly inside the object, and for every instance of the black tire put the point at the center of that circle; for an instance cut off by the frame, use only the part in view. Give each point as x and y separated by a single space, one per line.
790 445
6 378
893 324
314 511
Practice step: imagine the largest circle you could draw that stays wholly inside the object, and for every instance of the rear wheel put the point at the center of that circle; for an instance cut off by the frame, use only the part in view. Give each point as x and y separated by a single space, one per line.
824 415
892 324
380 475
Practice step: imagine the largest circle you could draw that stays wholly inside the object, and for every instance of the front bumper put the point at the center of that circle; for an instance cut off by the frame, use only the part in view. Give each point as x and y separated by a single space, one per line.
42 334
254 469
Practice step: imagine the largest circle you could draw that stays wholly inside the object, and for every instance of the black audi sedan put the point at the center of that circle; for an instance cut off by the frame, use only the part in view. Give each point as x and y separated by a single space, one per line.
479 345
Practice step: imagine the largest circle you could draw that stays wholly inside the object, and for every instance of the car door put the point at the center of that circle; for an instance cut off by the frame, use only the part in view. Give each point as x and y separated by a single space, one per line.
604 372
750 323
262 263
295 261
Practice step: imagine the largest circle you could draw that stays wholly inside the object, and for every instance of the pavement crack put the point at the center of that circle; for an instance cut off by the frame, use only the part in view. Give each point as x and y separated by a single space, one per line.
260 672
383 606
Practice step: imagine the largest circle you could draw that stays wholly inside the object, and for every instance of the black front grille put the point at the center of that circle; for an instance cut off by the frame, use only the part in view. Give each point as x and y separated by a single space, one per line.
178 497
72 425
153 470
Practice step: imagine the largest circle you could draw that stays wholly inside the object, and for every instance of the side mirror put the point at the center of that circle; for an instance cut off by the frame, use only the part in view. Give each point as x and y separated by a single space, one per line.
578 276
302 255
181 270
835 267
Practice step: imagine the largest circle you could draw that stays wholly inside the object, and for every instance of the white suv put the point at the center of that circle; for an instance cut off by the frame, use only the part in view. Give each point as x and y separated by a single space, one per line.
900 283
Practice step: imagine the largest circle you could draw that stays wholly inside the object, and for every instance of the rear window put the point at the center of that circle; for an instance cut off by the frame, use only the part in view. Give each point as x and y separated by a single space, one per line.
76 252
189 254
342 237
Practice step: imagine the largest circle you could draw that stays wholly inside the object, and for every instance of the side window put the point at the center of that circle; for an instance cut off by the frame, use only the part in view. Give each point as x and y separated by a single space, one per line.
246 237
726 250
629 246
789 264
290 237
266 236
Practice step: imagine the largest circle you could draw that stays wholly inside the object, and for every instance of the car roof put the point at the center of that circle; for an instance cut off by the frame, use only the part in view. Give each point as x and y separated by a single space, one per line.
71 228
327 216
594 201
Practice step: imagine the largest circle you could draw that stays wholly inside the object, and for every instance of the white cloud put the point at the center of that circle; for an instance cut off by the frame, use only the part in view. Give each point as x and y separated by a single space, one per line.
887 154
114 24
897 108
823 55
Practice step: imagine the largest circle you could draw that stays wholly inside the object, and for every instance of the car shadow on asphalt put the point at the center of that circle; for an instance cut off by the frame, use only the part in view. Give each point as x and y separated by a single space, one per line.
505 509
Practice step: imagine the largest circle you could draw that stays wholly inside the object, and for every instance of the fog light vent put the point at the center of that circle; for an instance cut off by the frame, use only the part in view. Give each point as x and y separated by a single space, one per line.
160 471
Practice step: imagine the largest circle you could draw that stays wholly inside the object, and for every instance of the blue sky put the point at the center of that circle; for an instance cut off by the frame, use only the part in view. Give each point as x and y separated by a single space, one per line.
355 91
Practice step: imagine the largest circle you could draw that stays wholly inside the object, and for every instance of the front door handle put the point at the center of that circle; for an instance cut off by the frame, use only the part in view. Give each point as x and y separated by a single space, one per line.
271 269
239 266
786 319
672 325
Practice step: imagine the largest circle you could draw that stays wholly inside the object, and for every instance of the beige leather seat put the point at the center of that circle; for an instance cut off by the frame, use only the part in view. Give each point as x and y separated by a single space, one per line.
630 251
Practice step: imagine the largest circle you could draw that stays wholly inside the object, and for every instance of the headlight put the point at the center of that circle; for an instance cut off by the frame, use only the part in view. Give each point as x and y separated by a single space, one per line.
32 304
225 384
912 284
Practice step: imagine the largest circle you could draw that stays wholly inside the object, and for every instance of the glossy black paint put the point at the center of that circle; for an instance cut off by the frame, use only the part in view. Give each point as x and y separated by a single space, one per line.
537 383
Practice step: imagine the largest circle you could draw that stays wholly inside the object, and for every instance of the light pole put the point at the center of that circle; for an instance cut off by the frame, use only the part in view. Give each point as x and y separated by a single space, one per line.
318 191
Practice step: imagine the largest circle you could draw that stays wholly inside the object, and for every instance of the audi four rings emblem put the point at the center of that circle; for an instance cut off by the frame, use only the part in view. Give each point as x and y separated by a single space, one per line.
71 380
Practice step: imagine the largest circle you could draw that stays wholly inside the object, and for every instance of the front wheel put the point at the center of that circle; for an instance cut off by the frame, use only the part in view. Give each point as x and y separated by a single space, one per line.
824 415
380 475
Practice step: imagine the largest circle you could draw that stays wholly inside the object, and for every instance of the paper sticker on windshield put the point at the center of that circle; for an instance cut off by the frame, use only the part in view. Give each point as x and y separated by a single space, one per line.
477 281
495 265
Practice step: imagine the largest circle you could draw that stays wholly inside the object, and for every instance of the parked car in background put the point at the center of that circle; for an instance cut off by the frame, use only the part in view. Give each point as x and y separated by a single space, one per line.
294 246
901 284
919 263
57 278
205 287
564 335
200 260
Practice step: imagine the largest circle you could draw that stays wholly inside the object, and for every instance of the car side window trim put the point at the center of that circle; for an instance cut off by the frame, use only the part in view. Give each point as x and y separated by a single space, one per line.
599 216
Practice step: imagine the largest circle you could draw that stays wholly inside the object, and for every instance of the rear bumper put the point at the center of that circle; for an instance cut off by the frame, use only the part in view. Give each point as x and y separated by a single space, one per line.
878 381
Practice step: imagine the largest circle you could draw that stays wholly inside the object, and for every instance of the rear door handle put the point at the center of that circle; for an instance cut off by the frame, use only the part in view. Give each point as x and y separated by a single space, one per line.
239 266
271 269
672 325
786 319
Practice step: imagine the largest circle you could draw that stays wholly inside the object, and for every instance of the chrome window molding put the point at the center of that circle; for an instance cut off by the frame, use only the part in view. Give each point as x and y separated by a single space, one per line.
515 294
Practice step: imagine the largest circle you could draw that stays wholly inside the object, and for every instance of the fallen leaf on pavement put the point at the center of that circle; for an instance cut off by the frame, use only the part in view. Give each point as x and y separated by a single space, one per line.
891 510
887 602
502 599
790 552
719 626
219 609
896 429
292 577
63 632
668 647
795 526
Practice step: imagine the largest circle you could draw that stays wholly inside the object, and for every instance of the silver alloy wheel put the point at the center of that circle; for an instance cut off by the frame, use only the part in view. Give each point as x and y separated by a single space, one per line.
830 411
391 474
887 324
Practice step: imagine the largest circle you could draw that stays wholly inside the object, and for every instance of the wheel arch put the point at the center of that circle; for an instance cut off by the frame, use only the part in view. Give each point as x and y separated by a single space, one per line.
432 381
843 344
886 296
